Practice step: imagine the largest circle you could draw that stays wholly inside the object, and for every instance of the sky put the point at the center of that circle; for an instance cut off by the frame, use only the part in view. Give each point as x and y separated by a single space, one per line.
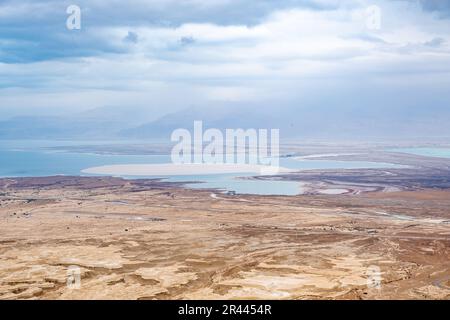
166 55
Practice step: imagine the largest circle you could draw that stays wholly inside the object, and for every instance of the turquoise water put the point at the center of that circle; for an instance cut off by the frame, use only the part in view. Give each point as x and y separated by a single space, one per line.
44 163
310 164
428 152
231 182
31 159
243 186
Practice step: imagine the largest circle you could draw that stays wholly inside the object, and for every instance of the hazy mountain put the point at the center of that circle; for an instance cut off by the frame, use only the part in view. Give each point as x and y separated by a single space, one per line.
314 123
103 122
232 116
126 116
31 127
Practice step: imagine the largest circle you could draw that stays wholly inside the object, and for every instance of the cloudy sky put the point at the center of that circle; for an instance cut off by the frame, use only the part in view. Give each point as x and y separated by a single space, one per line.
168 54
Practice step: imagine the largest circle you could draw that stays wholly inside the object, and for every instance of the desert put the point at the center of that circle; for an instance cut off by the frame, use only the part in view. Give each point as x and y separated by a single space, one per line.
147 239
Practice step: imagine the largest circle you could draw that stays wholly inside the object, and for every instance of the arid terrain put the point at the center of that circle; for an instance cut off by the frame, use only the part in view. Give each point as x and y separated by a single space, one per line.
144 239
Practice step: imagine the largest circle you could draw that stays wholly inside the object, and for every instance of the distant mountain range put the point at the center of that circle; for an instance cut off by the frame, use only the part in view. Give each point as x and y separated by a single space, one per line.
316 123
98 123
33 127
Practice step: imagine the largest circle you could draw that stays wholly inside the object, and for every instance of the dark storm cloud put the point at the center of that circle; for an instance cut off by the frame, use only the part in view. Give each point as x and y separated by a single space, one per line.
440 7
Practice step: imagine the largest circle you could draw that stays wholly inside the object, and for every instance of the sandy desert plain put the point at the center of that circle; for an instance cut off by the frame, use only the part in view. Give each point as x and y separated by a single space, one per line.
150 239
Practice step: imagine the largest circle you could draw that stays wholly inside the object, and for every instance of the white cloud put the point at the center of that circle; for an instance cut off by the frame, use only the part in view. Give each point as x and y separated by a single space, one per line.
240 62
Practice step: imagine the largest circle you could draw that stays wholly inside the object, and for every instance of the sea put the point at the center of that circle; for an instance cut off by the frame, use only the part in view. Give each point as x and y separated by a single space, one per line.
36 158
